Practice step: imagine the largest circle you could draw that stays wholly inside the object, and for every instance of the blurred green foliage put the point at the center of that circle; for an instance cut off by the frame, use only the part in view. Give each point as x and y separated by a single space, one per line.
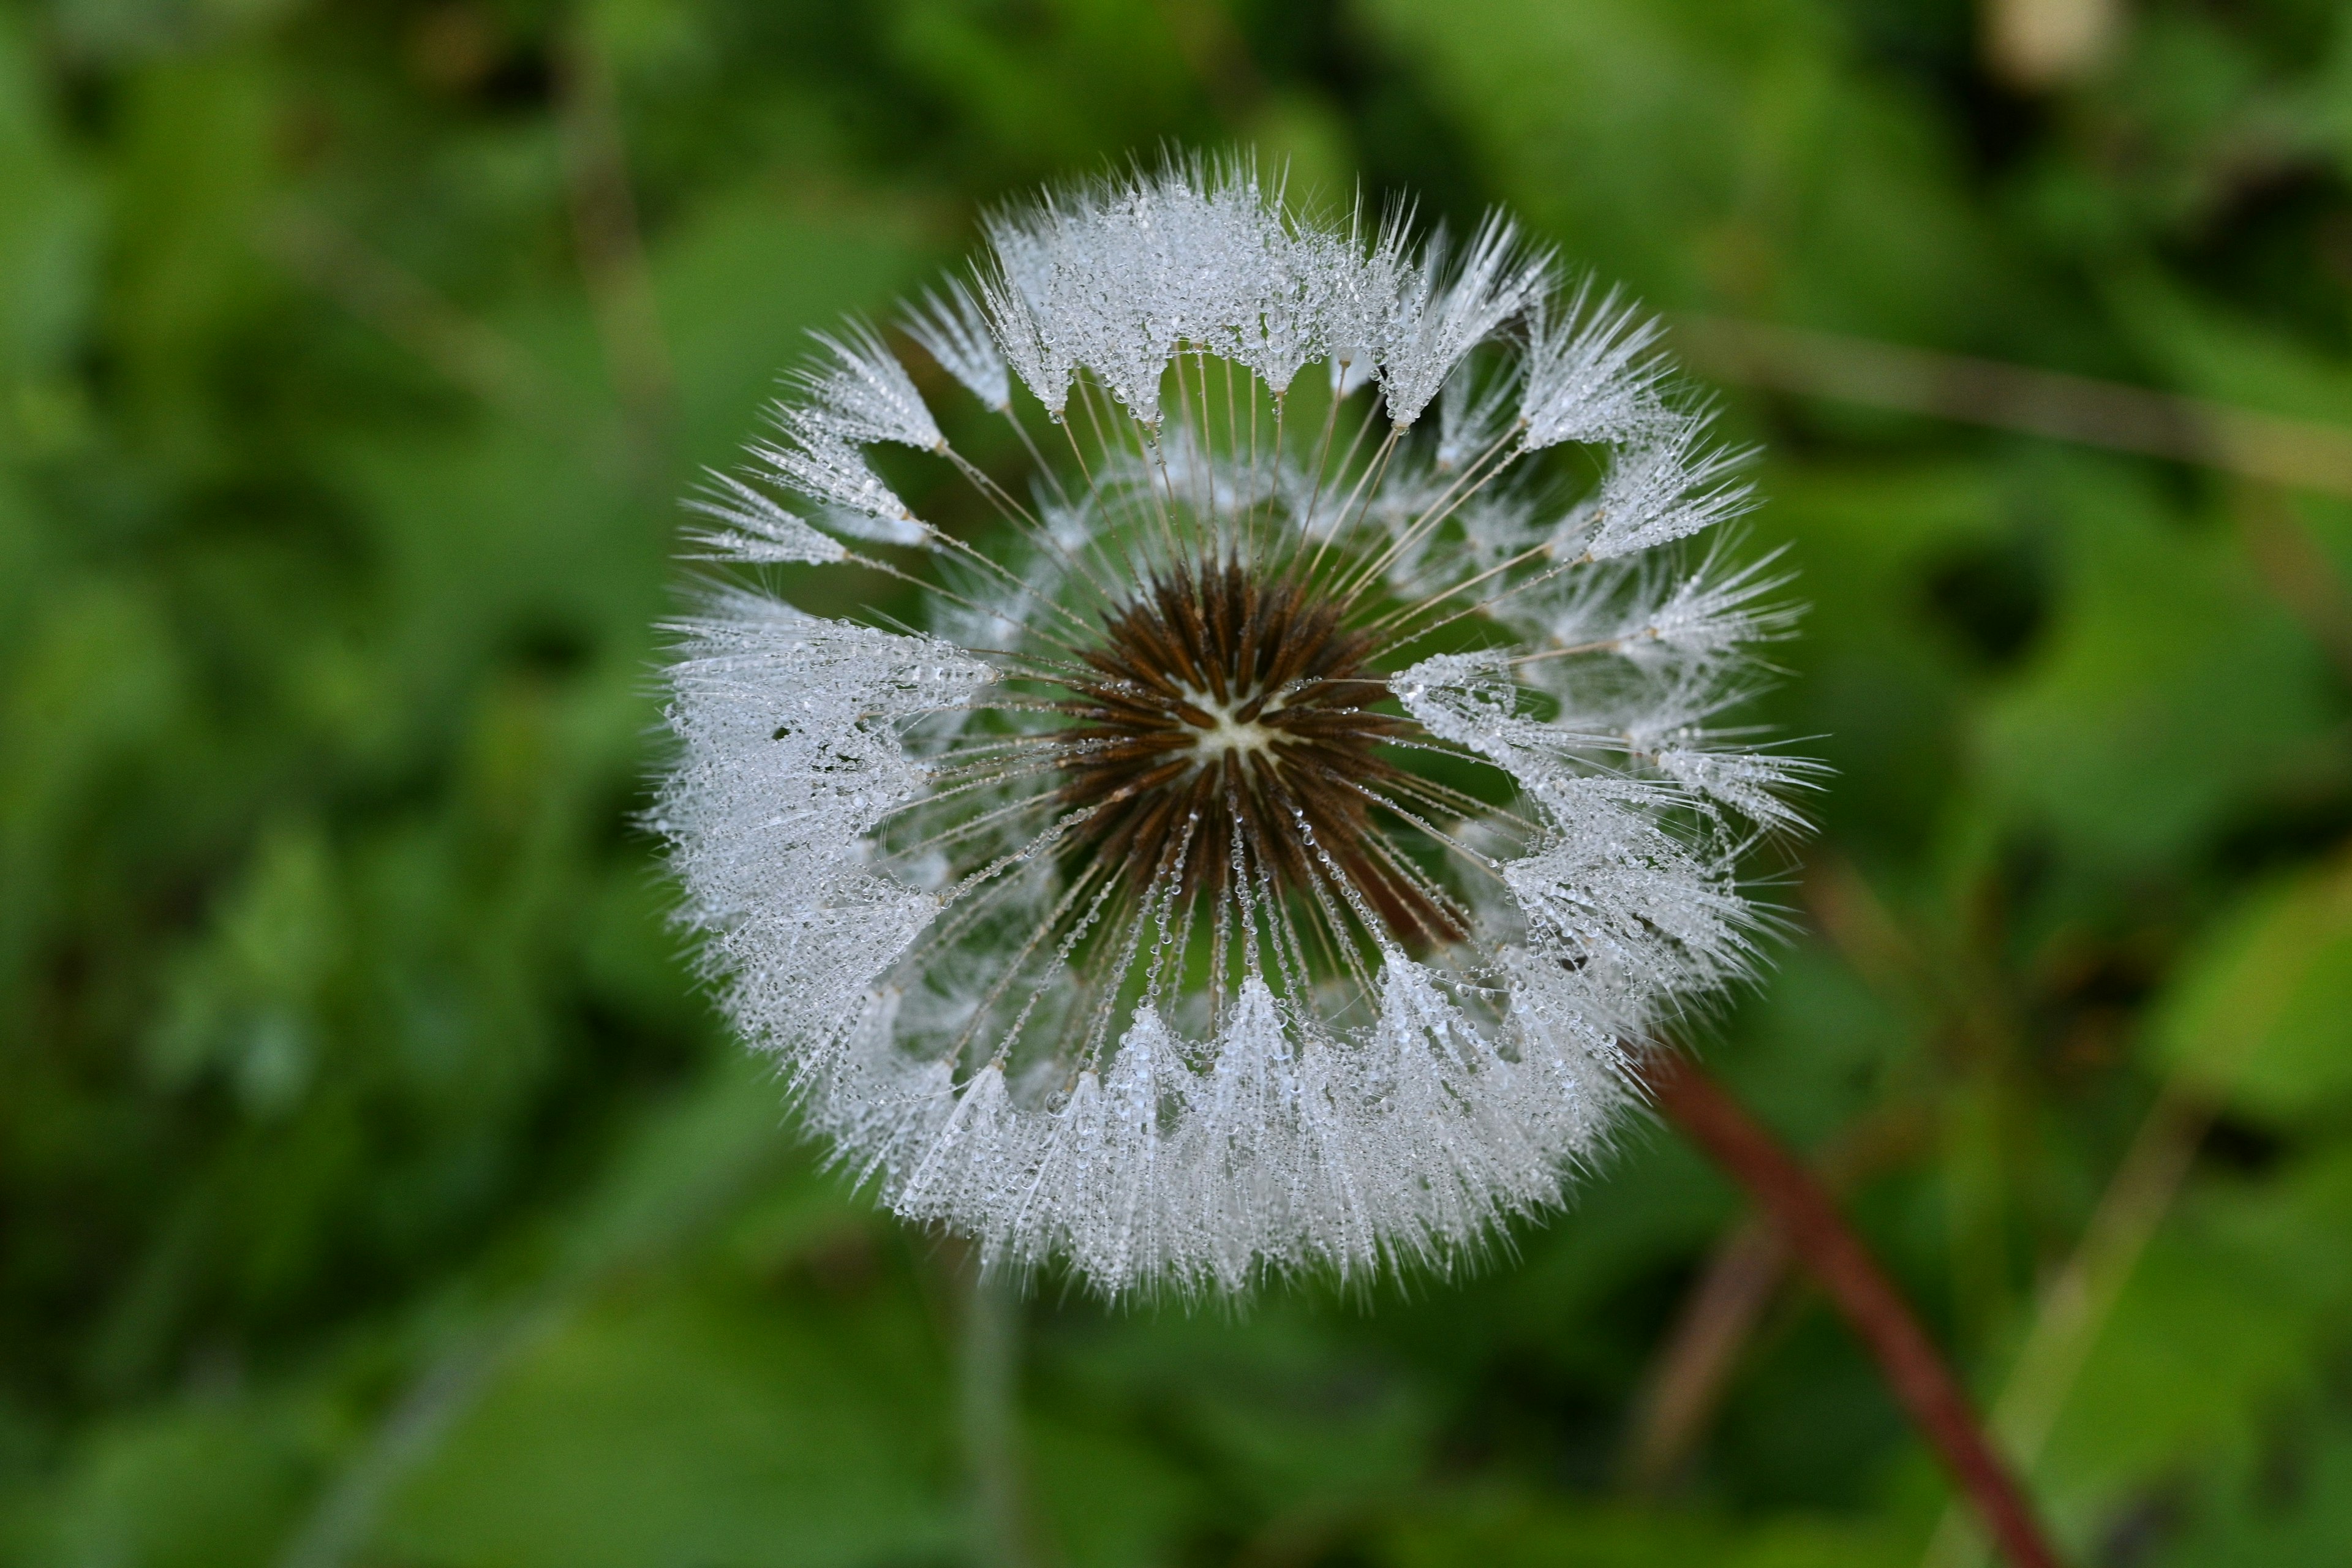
375 1186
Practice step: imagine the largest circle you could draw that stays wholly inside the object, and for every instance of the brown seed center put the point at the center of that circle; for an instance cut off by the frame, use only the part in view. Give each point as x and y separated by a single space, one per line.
1228 731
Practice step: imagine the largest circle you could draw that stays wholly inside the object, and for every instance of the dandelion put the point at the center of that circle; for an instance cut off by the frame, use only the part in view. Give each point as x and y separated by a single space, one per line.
1300 804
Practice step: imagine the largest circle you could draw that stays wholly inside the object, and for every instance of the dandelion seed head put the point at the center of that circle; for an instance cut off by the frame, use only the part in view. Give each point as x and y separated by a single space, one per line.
1298 811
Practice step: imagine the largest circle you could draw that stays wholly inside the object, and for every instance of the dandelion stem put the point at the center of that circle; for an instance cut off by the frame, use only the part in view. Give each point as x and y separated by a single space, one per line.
990 1356
1706 1113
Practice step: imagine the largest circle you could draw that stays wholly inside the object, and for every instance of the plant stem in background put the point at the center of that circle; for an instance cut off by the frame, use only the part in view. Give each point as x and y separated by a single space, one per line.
1746 1272
611 251
408 311
2296 569
1818 1234
990 1356
2275 455
2082 1297
2299 454
1679 1396
2075 1309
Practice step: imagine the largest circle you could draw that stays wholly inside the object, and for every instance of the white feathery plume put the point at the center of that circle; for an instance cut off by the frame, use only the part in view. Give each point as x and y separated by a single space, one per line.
1368 274
1654 616
754 528
1591 372
1749 783
818 457
954 331
1470 416
1666 487
1449 306
1013 280
1133 919
792 755
866 394
1711 612
1613 886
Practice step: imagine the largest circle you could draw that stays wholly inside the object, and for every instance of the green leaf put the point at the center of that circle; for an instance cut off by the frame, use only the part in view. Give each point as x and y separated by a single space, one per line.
2263 1014
1506 1531
1725 156
2293 1512
202 1485
2169 692
686 1426
49 226
2225 1321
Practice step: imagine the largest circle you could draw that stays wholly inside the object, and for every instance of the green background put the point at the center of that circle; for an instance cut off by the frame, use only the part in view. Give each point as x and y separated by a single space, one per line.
376 1186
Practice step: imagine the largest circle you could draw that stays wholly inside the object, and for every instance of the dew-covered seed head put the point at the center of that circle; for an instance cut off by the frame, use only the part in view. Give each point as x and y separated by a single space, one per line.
1299 796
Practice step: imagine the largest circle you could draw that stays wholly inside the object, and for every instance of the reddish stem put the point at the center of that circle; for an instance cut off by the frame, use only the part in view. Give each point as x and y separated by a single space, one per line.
1707 1115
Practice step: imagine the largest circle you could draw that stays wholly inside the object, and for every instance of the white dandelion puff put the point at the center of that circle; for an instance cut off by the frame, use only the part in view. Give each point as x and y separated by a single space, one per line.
1470 417
1450 305
817 457
1716 610
1591 372
1294 818
954 333
753 527
1665 487
1654 612
866 394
